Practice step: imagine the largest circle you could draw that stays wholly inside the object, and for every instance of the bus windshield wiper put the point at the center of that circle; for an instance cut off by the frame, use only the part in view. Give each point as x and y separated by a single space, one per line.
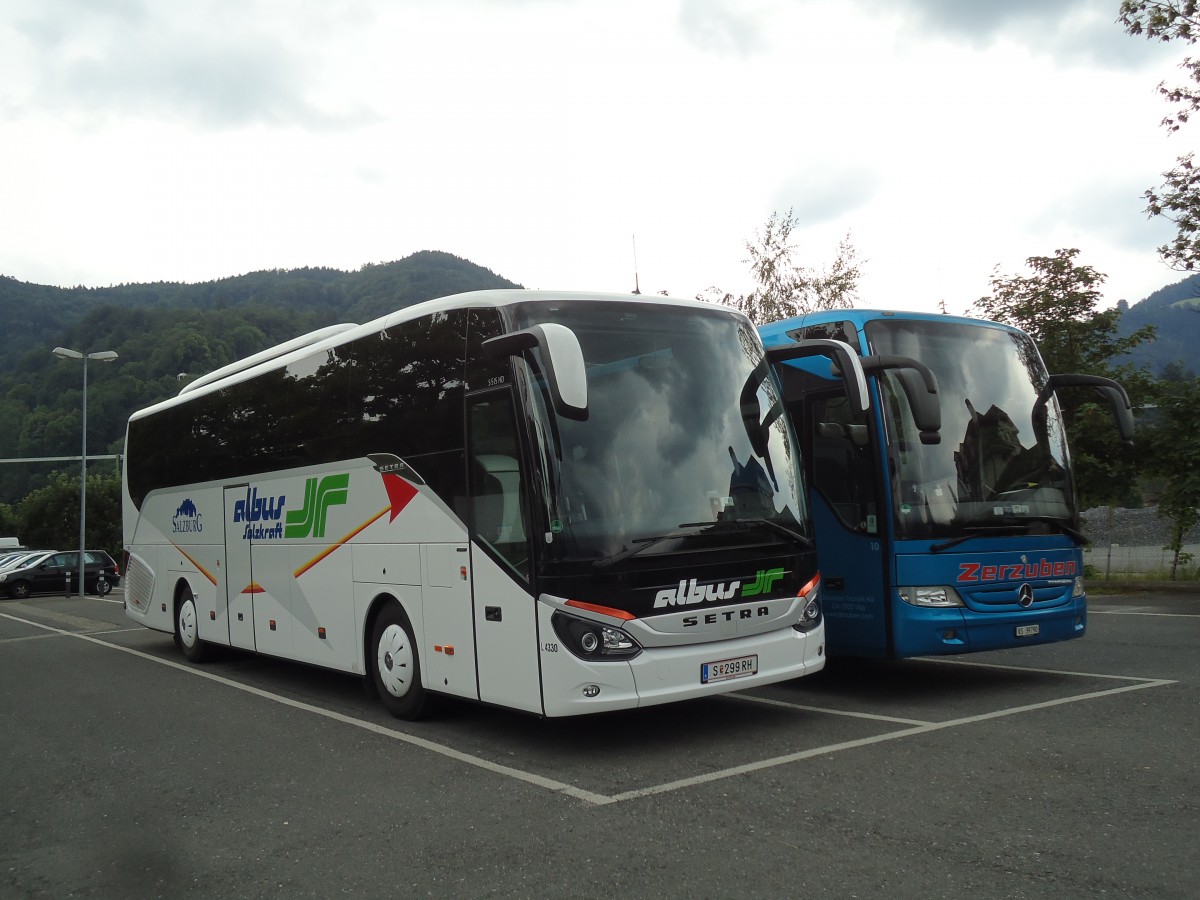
746 524
978 531
1076 536
1010 525
640 544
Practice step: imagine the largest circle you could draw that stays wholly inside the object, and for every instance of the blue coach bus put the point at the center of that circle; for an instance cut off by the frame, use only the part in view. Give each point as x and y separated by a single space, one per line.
943 500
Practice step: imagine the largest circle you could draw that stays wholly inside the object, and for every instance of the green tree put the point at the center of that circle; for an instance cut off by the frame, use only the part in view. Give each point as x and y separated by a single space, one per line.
1178 200
9 524
1057 306
49 516
1174 456
785 288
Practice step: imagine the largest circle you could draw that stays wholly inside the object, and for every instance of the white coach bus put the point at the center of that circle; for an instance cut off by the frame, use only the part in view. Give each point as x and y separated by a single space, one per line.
556 503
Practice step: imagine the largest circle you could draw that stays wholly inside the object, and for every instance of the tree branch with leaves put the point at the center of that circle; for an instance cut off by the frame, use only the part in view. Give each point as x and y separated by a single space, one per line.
1178 200
1173 454
785 288
1057 305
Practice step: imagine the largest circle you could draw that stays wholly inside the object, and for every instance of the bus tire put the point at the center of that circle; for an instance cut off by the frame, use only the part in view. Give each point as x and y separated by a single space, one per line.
187 628
396 665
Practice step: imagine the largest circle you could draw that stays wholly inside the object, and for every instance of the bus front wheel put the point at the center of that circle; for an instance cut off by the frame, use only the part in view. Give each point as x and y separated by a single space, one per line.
395 664
187 629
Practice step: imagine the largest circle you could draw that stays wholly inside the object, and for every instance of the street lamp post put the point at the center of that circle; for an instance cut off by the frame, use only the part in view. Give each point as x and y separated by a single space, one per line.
101 356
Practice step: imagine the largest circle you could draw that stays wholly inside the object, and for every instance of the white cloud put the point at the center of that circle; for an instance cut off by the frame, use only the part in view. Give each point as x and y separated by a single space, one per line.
723 26
826 191
155 141
215 64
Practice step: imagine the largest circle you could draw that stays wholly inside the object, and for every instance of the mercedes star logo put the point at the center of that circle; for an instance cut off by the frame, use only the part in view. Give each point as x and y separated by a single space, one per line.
1025 596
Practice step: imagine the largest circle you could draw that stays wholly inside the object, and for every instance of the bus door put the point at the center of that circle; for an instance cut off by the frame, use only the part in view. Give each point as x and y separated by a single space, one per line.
238 577
449 660
505 611
848 523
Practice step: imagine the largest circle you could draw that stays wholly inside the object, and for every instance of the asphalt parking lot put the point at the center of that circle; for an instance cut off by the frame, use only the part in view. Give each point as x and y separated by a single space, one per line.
1066 769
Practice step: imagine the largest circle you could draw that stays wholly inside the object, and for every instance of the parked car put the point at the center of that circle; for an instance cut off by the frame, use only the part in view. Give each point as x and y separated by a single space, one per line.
57 572
8 560
19 570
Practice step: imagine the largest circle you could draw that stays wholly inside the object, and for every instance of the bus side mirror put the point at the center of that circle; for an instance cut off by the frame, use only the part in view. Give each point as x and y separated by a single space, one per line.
922 398
1112 391
562 357
845 361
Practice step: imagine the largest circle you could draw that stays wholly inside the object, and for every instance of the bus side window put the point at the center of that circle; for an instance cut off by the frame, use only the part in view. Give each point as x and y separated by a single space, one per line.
841 464
497 488
487 503
832 463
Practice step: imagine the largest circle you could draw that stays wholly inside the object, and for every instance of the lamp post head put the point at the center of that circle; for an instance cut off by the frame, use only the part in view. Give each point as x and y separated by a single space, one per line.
99 355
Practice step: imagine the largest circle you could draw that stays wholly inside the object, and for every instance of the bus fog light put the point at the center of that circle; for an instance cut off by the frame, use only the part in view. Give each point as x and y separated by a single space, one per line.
591 690
937 595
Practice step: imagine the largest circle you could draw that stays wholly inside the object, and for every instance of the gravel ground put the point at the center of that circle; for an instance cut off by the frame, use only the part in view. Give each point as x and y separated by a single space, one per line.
1130 527
1132 541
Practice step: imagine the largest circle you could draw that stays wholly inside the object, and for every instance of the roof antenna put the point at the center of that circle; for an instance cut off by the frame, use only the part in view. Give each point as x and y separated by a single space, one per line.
636 286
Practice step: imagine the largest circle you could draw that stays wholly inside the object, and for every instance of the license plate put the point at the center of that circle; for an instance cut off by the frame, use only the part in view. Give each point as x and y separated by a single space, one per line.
724 669
1028 630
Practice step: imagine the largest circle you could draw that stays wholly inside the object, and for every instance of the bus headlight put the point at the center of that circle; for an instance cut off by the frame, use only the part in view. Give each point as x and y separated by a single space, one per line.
811 617
935 595
593 641
1077 590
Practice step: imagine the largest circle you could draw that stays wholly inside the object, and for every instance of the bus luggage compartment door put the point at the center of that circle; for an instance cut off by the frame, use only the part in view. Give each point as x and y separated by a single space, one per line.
238 577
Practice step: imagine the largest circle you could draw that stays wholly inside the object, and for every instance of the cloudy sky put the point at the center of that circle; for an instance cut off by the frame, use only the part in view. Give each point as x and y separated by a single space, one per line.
147 140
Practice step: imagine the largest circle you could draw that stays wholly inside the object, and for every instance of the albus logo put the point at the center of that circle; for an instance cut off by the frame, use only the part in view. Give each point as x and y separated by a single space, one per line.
332 490
256 512
691 593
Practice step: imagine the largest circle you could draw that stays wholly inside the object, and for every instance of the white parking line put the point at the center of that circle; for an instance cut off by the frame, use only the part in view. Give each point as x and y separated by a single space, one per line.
602 799
1138 611
947 661
827 711
536 780
27 637
864 742
118 630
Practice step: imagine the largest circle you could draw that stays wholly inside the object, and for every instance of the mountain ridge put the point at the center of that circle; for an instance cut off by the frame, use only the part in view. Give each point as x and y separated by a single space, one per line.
1174 310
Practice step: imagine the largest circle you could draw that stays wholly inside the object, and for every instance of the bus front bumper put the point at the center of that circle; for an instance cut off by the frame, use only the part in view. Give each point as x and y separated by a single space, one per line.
572 686
942 631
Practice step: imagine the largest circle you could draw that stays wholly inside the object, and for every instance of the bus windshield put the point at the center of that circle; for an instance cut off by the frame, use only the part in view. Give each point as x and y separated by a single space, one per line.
1002 461
664 462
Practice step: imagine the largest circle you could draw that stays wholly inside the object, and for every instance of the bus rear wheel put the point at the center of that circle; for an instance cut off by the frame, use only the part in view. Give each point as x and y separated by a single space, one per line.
396 666
187 629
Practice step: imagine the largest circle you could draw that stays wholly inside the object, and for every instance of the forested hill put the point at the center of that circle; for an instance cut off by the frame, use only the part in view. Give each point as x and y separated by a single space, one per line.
40 314
1174 311
163 329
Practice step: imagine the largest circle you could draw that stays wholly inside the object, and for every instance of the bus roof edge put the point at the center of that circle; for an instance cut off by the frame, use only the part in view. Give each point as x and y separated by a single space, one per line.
278 350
